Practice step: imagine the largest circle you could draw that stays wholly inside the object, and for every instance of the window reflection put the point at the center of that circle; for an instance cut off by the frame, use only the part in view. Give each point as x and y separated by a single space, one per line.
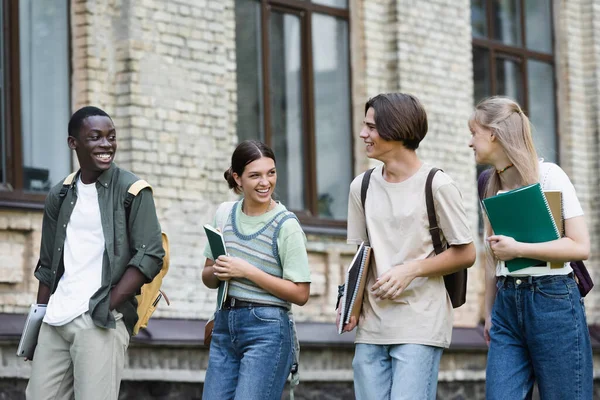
478 18
2 102
286 107
332 108
509 79
45 97
542 108
250 103
538 25
507 21
481 74
332 3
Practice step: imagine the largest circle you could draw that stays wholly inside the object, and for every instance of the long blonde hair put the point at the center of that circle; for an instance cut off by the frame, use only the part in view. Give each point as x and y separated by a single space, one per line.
511 127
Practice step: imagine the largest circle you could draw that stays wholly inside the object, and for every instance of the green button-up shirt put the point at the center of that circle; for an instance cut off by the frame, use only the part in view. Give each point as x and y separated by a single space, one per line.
130 241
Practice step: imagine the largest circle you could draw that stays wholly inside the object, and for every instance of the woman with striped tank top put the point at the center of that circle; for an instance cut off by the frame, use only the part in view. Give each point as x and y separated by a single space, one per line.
252 345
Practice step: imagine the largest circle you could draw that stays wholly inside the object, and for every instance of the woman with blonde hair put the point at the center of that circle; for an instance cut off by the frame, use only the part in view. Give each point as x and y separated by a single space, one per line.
535 322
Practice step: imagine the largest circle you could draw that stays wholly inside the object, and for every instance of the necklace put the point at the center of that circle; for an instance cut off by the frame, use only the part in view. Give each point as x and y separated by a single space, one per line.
499 171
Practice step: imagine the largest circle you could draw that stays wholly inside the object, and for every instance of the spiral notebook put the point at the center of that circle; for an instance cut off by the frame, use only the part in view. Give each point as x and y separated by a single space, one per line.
525 215
354 288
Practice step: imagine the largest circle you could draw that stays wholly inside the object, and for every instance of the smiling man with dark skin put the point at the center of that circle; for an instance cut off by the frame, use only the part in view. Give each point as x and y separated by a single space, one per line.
99 246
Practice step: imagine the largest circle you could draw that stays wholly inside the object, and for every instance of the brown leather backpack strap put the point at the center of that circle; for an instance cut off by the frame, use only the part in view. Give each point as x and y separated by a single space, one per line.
434 229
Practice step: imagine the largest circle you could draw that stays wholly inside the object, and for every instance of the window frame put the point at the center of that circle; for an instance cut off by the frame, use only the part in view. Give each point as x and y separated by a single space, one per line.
17 197
498 50
304 10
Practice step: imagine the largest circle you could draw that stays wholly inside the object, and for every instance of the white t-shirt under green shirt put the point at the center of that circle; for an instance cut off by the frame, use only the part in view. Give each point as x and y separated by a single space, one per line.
291 240
396 218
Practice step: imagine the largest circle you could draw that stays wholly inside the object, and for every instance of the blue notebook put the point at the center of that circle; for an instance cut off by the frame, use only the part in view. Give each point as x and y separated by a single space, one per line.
523 214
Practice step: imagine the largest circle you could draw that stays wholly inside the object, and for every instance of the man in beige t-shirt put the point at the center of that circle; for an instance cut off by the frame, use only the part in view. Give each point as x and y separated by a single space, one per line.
406 318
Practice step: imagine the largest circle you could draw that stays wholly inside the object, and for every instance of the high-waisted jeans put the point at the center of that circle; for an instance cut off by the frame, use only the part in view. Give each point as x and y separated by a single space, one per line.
539 333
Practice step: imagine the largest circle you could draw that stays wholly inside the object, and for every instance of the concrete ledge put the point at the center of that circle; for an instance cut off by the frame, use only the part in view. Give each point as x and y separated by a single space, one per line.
186 332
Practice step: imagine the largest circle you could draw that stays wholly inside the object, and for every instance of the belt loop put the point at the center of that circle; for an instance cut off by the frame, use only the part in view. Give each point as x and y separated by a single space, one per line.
501 280
232 302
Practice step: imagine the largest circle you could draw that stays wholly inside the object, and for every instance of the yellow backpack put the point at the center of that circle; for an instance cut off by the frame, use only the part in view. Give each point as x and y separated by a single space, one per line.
150 293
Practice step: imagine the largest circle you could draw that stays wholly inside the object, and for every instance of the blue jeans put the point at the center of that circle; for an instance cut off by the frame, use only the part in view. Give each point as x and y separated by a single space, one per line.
250 354
539 333
398 372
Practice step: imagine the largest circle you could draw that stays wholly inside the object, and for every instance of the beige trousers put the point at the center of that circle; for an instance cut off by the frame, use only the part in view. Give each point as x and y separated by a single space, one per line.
78 361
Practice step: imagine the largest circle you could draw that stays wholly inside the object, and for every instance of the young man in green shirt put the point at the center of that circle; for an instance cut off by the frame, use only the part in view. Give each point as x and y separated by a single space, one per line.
98 248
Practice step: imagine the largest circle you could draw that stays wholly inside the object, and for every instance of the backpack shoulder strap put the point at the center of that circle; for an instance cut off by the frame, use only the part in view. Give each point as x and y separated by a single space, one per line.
134 190
434 230
67 184
364 186
138 186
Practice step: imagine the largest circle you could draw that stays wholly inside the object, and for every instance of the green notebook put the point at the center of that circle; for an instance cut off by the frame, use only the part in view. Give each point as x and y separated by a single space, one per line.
523 214
217 248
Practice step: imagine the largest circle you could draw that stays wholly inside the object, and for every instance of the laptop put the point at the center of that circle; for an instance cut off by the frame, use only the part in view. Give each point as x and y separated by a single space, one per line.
31 331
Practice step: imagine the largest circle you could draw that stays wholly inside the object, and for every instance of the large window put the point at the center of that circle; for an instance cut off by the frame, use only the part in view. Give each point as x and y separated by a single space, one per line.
293 79
34 99
513 55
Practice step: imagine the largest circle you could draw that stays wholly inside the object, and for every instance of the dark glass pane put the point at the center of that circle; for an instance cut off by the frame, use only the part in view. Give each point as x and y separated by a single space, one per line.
45 92
481 74
509 80
332 3
542 108
538 25
507 21
248 52
286 107
2 102
332 112
478 18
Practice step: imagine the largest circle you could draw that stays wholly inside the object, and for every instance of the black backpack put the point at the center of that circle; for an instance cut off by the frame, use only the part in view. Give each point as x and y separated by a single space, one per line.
456 283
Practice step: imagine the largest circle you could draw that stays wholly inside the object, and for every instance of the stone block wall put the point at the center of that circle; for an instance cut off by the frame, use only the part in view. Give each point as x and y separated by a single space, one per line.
20 234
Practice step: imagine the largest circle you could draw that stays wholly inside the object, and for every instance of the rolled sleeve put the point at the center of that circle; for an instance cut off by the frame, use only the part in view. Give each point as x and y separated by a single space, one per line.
43 274
145 235
43 269
451 214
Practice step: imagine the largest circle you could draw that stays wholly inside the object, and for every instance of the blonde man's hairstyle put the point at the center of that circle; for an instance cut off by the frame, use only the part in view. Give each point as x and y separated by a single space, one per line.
511 127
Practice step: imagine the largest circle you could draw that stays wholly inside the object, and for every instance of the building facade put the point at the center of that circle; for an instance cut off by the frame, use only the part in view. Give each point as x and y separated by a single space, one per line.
185 80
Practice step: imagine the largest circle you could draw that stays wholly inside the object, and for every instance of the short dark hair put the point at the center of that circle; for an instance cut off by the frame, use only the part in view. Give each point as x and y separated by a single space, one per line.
400 117
246 152
76 121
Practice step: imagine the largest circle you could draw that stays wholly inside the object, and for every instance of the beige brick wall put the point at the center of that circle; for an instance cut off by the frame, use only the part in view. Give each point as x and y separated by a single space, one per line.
424 48
578 63
20 234
166 72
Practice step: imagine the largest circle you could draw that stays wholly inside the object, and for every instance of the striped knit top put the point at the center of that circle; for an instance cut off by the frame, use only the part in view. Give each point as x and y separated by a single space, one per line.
259 249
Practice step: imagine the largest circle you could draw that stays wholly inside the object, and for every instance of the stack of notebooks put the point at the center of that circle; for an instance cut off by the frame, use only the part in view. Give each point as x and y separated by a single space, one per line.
354 288
529 215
